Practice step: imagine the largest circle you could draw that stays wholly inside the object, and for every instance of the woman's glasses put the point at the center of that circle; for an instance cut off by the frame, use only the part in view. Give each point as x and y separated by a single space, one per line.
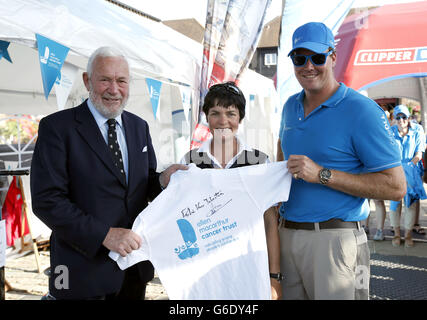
317 59
401 117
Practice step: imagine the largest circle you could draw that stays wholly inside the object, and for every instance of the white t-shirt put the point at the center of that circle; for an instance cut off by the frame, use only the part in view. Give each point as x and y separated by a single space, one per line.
205 233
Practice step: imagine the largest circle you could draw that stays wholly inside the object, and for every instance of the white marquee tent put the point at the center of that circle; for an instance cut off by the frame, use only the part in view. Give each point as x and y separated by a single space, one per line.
153 51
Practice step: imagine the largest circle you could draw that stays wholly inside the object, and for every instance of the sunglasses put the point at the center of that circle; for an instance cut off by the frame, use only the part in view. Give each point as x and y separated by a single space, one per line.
401 117
317 59
227 86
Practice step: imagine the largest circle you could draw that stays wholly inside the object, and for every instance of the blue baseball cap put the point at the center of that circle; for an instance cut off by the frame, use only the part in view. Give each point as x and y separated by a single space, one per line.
314 36
401 109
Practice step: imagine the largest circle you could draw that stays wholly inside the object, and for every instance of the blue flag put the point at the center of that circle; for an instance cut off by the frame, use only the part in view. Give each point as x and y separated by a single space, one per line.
51 56
154 87
3 50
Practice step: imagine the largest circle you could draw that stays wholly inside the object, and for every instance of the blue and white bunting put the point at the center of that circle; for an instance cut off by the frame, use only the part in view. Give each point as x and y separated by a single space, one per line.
186 100
3 50
154 87
64 84
51 57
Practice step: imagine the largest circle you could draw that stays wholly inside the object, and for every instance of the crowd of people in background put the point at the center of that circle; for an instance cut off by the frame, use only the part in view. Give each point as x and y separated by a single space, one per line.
410 135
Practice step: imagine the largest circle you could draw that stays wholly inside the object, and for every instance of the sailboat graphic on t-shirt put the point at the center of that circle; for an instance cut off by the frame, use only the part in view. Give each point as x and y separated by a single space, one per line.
190 247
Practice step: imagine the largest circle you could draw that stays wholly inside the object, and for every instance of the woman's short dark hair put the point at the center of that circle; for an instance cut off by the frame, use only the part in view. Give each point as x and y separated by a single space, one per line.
225 95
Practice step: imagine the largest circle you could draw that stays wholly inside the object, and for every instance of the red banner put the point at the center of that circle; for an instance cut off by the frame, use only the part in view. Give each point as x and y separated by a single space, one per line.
232 31
382 44
12 213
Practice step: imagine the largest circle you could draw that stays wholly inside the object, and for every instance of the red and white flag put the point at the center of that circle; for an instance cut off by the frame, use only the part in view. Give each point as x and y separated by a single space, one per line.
12 213
232 31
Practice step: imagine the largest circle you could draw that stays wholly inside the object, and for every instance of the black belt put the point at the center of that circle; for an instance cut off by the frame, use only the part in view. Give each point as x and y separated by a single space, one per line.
330 224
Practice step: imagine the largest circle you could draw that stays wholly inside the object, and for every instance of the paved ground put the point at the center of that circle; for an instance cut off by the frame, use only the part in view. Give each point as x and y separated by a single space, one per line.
396 273
29 284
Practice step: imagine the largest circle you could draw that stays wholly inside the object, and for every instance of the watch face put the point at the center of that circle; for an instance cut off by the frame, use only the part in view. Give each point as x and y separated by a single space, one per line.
324 175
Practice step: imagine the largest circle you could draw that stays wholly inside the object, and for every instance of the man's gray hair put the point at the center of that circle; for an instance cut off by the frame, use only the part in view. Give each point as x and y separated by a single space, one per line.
103 52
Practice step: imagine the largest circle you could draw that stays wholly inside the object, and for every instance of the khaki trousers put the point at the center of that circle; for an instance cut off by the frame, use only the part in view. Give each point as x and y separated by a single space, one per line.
324 264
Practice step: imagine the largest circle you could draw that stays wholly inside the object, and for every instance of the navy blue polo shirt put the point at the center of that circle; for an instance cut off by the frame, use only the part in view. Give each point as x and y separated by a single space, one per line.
349 132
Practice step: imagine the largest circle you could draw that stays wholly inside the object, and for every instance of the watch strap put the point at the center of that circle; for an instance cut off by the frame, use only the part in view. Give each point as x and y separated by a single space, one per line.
278 276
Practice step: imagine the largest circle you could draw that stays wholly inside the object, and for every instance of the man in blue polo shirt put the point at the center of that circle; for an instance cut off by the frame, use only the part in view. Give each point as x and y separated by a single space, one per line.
341 152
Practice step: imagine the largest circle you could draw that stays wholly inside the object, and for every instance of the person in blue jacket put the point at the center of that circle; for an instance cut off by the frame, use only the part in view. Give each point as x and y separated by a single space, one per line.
411 143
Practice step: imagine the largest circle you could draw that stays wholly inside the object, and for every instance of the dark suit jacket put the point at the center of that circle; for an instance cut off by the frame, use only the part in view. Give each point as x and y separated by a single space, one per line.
79 194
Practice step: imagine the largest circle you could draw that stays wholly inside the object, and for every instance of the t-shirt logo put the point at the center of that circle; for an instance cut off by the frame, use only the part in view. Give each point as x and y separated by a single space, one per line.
190 247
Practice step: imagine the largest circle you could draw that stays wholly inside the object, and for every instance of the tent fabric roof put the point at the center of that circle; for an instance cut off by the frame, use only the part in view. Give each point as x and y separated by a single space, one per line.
152 49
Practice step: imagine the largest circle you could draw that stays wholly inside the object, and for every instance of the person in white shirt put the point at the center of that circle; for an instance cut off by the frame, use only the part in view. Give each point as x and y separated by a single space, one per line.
224 107
205 234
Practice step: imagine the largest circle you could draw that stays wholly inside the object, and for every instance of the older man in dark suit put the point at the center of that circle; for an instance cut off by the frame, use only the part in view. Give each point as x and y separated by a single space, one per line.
93 171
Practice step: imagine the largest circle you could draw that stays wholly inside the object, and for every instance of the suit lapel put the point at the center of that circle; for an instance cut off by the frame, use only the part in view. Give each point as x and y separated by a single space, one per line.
89 131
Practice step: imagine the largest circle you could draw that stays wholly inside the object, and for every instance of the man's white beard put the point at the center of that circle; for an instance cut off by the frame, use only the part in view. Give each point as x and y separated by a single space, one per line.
106 112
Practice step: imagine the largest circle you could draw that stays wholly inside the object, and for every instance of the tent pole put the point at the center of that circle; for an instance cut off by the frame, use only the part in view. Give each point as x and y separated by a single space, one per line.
423 94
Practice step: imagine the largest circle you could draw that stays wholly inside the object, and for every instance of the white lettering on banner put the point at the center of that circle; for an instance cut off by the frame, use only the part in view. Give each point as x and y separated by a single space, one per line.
390 56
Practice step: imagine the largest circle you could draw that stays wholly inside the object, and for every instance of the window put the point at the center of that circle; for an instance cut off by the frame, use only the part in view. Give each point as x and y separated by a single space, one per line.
270 59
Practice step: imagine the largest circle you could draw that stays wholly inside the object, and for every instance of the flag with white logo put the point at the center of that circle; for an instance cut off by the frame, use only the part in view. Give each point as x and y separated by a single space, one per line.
51 56
154 87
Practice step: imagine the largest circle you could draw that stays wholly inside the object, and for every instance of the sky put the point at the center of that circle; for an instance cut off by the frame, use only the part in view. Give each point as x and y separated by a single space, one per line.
182 9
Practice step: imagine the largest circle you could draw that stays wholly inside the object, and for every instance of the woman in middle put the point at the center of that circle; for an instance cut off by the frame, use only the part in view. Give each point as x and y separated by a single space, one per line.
224 107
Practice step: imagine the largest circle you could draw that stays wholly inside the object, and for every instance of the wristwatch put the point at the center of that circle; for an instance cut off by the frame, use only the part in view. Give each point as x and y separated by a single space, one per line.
278 276
324 175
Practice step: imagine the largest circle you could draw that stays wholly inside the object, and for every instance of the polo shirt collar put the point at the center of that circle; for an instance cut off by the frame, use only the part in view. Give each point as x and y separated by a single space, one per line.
333 101
206 148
